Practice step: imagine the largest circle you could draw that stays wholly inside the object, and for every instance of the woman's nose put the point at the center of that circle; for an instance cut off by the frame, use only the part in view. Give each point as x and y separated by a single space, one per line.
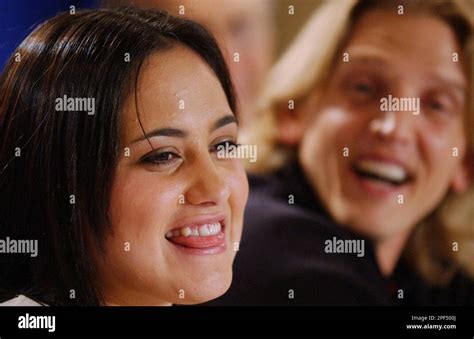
208 184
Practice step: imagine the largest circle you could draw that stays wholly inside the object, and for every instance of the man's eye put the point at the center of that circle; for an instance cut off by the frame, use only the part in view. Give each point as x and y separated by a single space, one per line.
161 158
436 105
439 105
363 88
240 27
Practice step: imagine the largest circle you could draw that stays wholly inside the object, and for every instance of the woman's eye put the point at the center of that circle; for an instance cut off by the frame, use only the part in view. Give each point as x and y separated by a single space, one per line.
161 158
225 146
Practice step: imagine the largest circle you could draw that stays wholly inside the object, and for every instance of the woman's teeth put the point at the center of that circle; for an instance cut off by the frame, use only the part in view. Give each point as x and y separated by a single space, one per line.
204 230
382 171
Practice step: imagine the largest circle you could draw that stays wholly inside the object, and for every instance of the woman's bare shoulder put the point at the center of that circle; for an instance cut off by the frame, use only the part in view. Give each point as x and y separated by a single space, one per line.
21 300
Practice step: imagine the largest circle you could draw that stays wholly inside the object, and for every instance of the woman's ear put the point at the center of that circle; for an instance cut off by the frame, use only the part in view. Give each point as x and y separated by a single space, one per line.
290 126
464 176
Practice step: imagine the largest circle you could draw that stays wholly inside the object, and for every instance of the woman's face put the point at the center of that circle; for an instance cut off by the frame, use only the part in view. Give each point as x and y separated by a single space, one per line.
376 168
176 209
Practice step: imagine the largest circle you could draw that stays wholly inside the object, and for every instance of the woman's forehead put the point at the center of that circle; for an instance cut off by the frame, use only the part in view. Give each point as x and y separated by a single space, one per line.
175 87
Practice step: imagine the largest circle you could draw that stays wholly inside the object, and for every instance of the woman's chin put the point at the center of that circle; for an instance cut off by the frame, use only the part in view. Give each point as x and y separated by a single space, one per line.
206 290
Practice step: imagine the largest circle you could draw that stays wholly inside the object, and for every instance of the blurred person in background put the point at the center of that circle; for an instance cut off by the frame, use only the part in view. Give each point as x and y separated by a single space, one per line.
245 31
358 203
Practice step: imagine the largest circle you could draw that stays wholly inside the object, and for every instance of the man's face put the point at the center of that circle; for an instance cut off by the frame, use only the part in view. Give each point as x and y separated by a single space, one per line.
377 168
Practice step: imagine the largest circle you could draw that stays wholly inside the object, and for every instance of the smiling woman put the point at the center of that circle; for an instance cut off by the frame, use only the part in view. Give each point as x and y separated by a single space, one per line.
131 205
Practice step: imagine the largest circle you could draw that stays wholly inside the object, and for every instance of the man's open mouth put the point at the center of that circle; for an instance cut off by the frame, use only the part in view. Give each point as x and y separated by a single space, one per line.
382 172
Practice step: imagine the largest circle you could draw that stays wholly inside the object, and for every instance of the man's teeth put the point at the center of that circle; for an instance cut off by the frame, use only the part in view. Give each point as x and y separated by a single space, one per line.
382 170
205 230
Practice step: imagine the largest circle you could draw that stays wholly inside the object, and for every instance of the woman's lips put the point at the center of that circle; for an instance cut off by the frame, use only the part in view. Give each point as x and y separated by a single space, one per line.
199 239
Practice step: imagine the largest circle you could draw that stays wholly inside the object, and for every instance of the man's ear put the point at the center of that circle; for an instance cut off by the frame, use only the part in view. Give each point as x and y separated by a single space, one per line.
464 176
290 126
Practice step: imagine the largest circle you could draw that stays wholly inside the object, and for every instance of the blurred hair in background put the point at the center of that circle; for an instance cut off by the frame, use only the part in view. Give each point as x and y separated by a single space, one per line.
245 30
258 30
250 32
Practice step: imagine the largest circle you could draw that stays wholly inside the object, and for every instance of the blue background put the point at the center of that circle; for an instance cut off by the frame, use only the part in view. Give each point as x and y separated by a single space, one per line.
19 17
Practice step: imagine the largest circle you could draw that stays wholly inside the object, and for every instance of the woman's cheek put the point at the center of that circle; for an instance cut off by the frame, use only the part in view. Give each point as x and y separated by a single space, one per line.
140 209
140 204
238 182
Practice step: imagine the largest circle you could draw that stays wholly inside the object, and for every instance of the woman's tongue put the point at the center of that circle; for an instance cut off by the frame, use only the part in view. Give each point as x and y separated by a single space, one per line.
198 236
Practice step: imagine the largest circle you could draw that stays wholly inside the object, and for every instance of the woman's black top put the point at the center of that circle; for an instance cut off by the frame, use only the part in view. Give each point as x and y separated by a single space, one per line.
282 258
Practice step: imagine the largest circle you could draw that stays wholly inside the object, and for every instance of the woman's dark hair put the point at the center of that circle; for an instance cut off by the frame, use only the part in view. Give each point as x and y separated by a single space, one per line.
56 167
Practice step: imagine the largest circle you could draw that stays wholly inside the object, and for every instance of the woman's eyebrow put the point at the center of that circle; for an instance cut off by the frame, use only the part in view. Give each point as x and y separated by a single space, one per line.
166 132
178 133
228 119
